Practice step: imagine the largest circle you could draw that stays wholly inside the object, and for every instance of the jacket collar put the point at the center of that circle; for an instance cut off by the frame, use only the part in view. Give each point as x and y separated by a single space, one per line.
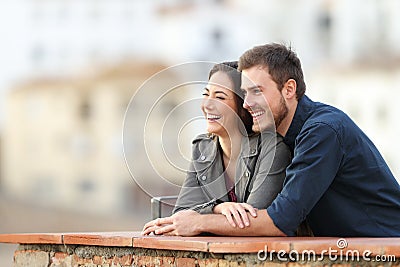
303 111
249 146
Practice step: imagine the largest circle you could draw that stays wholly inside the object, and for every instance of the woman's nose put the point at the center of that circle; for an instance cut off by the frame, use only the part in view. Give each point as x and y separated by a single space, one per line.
207 103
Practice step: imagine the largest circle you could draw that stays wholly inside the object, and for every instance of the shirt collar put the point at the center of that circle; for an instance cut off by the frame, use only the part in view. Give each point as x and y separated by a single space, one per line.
303 111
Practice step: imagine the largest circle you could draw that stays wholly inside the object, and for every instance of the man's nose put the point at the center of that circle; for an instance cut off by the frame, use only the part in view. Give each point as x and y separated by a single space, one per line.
247 102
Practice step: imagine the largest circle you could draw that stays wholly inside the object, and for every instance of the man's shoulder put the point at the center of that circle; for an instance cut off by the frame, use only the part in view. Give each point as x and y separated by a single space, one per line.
326 120
310 114
327 115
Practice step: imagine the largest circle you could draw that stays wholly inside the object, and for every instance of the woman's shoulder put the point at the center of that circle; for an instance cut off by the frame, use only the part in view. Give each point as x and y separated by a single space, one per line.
271 137
253 139
265 142
204 145
204 137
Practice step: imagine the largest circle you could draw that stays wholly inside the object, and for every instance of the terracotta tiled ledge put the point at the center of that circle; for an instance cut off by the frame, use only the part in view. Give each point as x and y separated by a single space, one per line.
133 249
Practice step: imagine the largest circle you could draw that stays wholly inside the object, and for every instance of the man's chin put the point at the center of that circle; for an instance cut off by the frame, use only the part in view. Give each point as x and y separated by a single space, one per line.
258 129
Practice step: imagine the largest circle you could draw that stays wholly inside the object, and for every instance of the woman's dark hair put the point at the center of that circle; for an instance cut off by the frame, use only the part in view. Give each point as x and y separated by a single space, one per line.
230 68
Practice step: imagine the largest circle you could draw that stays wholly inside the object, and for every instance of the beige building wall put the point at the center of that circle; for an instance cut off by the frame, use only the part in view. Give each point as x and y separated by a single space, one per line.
63 140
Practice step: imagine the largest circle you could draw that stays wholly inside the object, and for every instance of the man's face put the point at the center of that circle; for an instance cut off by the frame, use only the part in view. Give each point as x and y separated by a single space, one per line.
263 99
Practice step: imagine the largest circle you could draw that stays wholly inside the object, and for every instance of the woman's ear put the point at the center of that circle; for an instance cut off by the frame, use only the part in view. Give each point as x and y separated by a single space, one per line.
289 89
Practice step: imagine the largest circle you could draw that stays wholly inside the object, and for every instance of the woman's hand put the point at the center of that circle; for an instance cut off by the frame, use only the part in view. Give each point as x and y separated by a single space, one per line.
181 223
236 213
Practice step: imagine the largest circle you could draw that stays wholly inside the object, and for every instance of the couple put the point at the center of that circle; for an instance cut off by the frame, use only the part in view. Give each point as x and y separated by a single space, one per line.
336 180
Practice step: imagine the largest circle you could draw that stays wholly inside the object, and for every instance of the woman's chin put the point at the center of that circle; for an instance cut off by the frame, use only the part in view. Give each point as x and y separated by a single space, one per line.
213 131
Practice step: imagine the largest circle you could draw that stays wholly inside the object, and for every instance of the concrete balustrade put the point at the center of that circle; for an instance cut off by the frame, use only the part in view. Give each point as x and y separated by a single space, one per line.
123 249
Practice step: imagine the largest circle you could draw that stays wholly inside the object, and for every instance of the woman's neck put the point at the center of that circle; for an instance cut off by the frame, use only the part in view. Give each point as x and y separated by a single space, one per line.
230 144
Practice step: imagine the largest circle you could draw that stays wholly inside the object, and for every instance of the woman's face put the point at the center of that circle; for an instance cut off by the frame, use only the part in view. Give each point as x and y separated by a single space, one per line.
219 106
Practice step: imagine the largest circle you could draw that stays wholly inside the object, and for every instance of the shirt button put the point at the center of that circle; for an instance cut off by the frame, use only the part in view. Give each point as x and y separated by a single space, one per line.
203 157
253 150
203 177
247 174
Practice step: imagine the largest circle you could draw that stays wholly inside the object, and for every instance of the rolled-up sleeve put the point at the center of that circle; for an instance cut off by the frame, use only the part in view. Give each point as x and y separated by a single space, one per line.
317 157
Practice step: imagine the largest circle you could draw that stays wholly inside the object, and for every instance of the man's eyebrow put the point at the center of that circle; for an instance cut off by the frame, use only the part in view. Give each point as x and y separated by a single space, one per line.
251 87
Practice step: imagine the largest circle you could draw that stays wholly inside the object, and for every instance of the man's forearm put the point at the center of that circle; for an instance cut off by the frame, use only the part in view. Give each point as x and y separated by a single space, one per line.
217 224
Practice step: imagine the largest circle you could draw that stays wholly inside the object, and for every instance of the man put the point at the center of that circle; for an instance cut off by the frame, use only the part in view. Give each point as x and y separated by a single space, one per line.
337 180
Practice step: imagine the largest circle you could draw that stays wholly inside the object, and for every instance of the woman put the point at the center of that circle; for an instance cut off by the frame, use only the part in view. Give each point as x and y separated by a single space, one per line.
229 172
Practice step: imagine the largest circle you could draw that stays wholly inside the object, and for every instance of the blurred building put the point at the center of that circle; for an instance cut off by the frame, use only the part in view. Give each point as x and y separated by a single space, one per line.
62 136
63 140
62 36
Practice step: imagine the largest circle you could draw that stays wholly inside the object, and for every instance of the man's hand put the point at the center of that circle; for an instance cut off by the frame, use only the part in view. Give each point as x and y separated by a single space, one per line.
236 213
182 223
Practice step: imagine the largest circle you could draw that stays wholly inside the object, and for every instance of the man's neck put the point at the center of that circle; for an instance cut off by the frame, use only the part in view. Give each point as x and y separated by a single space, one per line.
287 121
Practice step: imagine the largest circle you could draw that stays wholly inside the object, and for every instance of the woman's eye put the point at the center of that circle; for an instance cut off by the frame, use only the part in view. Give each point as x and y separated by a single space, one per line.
221 97
205 94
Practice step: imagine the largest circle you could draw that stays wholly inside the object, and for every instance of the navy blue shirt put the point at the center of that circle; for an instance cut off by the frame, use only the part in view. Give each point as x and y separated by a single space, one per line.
337 180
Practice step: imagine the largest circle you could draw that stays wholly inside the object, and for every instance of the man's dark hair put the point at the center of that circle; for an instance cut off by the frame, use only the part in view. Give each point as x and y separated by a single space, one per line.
281 62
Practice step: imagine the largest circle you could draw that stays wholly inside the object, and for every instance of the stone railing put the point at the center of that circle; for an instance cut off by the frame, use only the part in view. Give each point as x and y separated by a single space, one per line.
131 249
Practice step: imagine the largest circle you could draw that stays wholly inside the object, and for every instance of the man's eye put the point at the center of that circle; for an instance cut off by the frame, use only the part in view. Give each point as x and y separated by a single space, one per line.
205 94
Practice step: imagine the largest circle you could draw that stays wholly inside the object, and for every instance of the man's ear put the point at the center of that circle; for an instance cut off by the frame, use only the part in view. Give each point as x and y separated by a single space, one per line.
289 89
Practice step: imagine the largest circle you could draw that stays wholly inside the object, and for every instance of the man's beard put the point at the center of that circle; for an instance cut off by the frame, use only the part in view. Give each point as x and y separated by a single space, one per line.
277 117
282 113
